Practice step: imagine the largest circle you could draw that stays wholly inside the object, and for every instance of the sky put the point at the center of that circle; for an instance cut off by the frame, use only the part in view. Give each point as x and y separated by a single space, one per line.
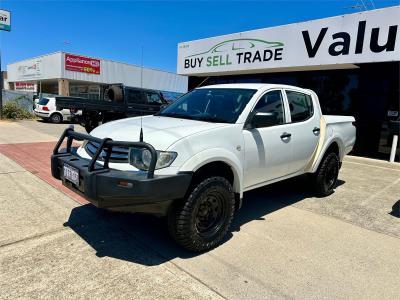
118 30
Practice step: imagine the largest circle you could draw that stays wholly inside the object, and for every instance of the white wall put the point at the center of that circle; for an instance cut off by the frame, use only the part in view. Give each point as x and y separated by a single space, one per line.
38 68
52 66
116 72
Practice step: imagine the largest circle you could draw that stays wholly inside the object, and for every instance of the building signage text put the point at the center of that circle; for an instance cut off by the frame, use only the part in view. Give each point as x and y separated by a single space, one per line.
371 36
25 86
237 51
5 20
82 64
32 69
341 41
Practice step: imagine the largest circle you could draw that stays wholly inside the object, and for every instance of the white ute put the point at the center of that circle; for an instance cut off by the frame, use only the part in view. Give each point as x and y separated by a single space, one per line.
213 144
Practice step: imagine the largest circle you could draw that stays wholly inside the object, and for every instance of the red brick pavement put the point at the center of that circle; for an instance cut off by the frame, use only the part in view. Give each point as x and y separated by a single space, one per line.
35 158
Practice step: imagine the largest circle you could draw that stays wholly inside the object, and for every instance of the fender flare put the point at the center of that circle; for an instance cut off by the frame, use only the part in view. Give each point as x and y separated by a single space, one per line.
217 155
326 138
328 143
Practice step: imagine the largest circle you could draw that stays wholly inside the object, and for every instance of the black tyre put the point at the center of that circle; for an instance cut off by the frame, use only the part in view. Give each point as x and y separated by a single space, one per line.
114 93
326 176
56 118
201 221
89 127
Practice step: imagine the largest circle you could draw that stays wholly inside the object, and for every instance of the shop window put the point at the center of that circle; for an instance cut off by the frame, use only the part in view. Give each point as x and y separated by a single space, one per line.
85 91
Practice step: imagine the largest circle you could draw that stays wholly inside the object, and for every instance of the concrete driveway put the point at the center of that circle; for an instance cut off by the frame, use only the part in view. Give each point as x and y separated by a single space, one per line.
285 243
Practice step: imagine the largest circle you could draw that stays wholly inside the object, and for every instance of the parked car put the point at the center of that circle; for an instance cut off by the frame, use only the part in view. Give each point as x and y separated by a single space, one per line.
119 102
196 158
47 110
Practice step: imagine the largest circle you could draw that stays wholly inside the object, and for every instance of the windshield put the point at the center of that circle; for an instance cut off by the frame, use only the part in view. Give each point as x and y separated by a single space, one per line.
43 101
211 105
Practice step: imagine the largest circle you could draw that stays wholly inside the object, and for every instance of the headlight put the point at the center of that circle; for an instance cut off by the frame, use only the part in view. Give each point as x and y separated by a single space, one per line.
141 158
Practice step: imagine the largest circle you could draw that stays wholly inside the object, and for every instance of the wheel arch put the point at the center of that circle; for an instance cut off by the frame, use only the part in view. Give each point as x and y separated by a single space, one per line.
220 161
334 145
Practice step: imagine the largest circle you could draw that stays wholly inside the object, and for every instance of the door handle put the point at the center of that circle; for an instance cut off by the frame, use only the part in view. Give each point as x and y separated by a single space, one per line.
286 135
316 129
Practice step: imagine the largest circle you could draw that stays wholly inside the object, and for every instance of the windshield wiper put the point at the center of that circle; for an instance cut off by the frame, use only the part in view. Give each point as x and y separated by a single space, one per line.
175 115
212 119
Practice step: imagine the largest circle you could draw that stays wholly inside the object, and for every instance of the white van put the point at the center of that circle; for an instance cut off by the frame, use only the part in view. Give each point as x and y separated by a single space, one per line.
47 110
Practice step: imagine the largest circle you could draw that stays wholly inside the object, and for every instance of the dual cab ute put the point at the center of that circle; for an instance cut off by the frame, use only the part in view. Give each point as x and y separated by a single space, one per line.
193 161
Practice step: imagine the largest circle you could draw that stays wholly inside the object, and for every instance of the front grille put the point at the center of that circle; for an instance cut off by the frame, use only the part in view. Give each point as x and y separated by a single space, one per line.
118 154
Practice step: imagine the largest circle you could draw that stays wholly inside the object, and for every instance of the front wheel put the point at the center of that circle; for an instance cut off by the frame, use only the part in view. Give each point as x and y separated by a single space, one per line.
201 221
325 178
89 127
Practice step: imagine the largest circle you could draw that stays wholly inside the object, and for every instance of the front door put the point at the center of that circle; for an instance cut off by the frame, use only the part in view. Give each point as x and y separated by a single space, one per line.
267 149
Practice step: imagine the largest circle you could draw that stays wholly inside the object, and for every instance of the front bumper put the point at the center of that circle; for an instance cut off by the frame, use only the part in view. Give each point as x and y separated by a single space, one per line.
114 189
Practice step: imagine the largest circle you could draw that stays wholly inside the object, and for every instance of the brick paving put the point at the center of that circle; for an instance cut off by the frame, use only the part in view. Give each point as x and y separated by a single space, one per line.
35 158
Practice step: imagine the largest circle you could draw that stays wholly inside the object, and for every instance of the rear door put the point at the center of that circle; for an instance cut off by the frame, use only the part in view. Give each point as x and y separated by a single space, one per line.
268 150
304 128
53 107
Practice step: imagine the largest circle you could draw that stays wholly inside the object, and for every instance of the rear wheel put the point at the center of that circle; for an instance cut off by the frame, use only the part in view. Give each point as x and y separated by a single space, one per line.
201 221
327 174
56 118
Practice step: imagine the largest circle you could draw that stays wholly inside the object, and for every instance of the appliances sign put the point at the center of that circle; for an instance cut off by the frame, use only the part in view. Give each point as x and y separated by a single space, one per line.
371 36
5 20
82 64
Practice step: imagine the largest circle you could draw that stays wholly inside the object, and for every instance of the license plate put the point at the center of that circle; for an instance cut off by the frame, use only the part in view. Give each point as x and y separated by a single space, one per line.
71 174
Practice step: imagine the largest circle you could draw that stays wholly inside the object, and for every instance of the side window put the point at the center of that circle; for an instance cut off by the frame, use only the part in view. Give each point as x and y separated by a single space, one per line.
301 107
153 98
272 103
135 97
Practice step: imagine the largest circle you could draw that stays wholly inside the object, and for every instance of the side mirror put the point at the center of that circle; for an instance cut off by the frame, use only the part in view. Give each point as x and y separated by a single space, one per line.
263 119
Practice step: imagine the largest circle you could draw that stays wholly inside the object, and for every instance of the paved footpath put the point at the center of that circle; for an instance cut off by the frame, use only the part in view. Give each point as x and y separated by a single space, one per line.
284 242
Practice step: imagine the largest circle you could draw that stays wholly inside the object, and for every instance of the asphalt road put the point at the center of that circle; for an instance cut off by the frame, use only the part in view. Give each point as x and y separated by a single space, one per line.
285 243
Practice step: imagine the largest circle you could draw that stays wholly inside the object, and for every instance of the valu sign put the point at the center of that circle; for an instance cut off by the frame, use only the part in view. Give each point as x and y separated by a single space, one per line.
371 36
82 64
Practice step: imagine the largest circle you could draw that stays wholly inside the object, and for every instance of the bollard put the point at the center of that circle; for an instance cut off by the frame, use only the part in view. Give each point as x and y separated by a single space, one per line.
394 147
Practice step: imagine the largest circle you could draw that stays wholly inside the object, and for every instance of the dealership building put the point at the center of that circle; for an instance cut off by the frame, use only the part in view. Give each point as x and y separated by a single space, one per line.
352 62
69 74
